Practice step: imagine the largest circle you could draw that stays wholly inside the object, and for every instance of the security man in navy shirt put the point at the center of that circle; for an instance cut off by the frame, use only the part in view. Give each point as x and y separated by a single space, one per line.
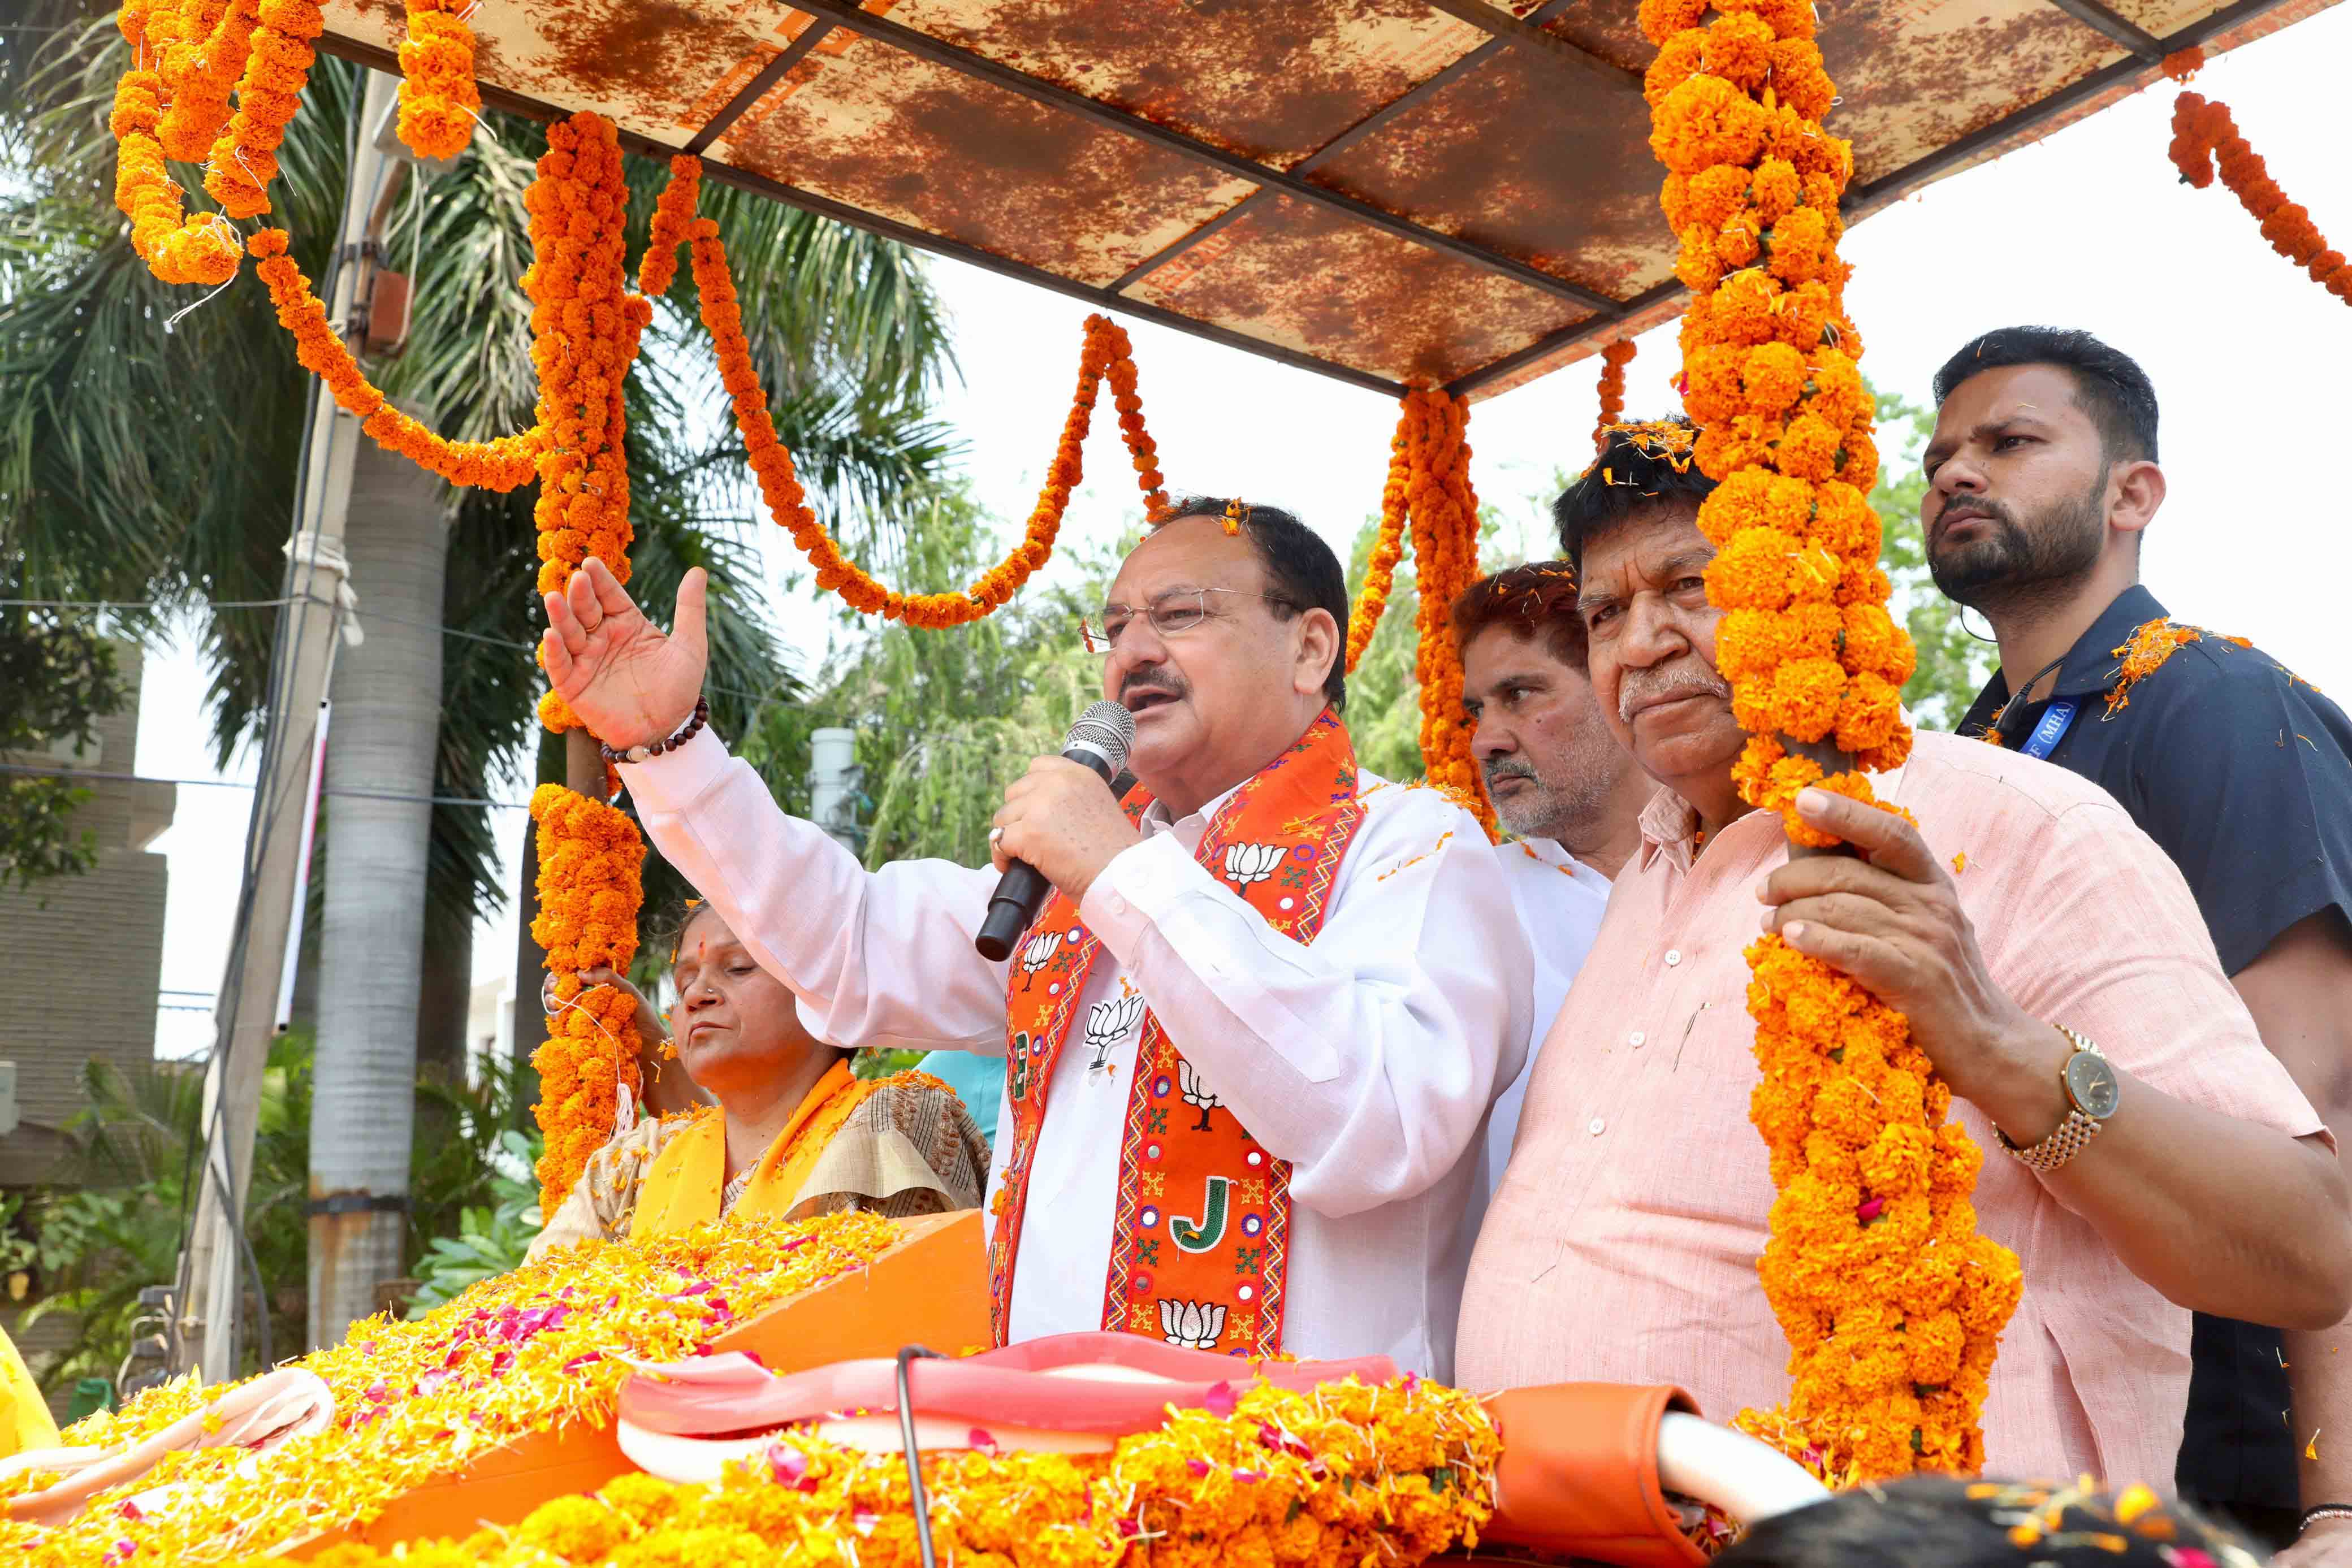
2042 474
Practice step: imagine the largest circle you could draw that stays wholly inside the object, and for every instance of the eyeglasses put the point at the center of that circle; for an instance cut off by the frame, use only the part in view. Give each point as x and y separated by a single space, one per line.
1171 614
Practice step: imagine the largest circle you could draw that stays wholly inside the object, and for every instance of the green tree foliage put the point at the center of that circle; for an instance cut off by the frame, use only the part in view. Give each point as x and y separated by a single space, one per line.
57 680
1953 666
492 1237
944 720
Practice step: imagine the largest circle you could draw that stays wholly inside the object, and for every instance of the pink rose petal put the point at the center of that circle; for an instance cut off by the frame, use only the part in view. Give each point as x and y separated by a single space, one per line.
1220 1400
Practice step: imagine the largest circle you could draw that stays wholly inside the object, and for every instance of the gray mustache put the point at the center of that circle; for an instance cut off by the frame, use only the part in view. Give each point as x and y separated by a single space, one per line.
1636 693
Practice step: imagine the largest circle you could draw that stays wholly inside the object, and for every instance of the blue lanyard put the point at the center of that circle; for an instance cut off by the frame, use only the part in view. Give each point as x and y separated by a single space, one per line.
2055 721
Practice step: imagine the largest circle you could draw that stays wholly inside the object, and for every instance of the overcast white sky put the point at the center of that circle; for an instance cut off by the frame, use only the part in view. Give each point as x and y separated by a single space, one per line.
2090 228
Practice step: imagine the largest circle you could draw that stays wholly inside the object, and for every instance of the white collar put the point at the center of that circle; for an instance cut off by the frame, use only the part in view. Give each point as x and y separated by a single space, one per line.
1552 852
1155 819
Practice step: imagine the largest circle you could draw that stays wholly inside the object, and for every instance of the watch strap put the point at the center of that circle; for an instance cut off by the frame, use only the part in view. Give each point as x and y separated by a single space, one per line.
2073 1135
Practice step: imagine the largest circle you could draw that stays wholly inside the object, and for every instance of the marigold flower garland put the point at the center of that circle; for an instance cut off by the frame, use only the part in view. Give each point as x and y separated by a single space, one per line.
585 330
591 863
537 1348
1892 1303
1347 1475
1614 360
1388 545
187 56
439 101
1444 512
2205 137
1106 356
499 464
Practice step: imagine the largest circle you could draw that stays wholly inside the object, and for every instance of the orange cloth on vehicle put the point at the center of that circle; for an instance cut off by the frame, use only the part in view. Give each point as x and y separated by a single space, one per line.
1579 1474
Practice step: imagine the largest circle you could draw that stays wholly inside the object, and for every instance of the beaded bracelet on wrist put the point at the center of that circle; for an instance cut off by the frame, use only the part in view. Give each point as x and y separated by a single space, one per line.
2323 1511
686 732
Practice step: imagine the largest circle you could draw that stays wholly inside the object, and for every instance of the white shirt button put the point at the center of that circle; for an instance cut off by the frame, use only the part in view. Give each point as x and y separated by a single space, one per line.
1637 1039
1595 1125
1118 905
1673 956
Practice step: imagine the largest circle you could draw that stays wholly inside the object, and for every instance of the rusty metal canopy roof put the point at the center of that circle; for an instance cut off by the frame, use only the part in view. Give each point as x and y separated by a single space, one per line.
1457 192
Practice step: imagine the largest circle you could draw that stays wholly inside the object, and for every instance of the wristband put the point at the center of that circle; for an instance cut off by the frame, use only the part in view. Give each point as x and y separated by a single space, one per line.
2323 1511
641 753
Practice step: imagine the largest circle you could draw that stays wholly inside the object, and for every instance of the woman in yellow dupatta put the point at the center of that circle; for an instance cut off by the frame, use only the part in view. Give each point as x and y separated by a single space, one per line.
792 1132
25 1420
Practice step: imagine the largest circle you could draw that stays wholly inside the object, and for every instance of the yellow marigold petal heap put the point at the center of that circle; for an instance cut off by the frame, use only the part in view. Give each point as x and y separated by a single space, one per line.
499 464
1614 360
1443 511
439 101
1348 1474
591 863
1892 1303
537 1348
1388 545
1105 355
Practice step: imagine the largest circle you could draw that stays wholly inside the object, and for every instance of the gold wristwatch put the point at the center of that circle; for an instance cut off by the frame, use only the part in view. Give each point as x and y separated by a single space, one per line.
2092 1093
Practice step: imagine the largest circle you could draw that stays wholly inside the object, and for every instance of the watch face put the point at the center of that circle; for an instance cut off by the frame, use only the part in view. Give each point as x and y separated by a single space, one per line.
2091 1084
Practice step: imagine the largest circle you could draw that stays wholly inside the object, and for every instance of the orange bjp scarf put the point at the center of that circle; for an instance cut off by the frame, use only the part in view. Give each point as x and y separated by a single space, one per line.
683 1189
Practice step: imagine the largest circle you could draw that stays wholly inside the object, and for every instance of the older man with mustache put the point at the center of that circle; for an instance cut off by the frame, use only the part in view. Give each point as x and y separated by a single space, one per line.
2025 922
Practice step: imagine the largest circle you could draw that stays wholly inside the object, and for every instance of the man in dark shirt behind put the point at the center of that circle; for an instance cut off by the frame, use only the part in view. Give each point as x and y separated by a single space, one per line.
2042 474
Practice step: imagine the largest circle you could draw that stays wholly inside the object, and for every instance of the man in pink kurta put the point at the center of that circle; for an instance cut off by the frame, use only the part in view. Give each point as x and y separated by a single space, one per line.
1623 1243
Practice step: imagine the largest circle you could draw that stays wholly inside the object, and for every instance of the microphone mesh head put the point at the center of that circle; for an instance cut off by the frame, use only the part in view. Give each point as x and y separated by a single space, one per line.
1106 726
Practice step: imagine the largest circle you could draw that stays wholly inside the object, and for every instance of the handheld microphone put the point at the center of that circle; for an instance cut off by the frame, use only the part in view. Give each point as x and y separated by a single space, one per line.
1099 739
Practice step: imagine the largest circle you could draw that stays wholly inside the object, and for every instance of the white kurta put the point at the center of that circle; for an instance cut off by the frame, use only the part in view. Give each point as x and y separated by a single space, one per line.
1560 900
1366 1059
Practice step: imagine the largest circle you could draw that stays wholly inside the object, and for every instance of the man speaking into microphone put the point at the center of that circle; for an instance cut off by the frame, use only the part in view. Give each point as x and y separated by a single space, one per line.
1250 1038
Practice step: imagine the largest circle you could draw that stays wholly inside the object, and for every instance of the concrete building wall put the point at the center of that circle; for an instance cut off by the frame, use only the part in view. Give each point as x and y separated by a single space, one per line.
85 952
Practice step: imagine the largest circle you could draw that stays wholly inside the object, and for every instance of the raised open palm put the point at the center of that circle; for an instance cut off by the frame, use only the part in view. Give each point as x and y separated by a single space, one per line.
630 684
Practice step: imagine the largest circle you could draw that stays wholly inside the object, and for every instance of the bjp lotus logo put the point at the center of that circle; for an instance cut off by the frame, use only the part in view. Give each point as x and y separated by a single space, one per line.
1246 864
1036 954
1108 1023
1191 1325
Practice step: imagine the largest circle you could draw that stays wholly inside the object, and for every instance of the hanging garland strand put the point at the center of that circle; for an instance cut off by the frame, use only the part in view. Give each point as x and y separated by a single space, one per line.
591 863
585 329
439 101
1892 1303
1614 360
176 248
1445 517
1388 545
1428 493
187 55
500 465
2205 137
1106 356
